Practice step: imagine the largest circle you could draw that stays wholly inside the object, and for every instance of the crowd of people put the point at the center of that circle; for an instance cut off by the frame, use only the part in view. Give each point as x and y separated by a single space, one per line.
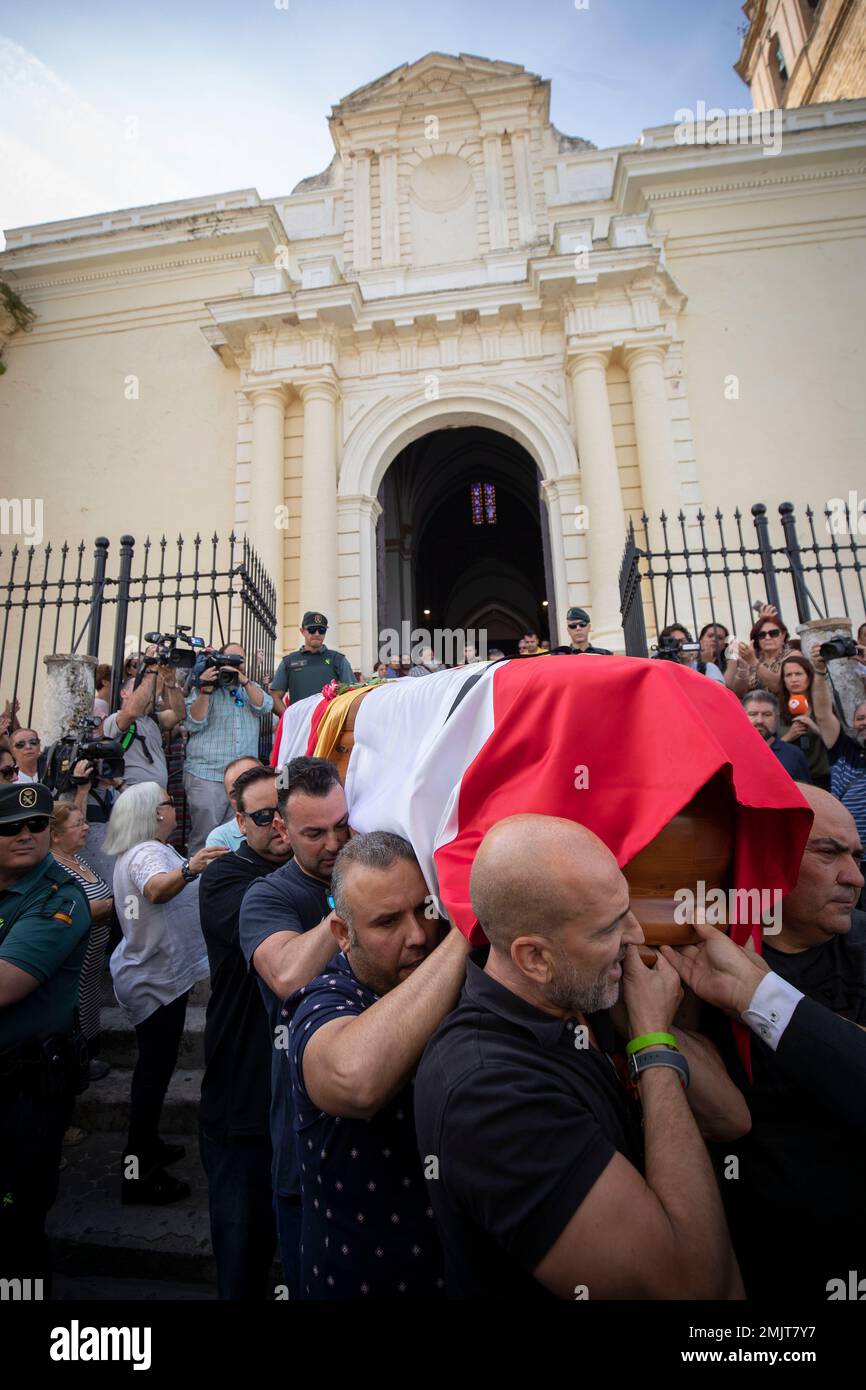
395 1113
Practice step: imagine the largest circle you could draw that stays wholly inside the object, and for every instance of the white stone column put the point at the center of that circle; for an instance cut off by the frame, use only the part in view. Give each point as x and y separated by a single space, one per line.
520 154
655 444
599 477
357 517
497 212
267 485
389 211
361 221
658 471
561 495
319 547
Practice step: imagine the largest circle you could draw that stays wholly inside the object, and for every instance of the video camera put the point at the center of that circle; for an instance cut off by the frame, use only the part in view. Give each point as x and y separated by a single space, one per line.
669 648
104 754
228 668
169 652
837 648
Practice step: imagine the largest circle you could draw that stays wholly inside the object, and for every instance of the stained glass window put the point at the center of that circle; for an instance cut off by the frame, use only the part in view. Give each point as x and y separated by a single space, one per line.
482 499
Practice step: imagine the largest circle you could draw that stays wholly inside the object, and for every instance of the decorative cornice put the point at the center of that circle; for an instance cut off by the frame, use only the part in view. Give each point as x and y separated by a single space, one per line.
241 253
660 195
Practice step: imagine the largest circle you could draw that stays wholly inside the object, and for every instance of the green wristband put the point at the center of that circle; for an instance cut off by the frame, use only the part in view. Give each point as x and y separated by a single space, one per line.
651 1040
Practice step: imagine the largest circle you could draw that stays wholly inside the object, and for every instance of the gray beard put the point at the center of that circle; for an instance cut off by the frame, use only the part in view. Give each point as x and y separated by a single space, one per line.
570 991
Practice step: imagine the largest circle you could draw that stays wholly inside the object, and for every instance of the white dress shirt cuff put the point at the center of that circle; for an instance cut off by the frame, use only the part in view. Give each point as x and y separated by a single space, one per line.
771 1007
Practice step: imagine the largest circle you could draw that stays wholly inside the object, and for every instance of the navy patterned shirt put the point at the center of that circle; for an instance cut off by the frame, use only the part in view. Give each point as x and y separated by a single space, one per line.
367 1223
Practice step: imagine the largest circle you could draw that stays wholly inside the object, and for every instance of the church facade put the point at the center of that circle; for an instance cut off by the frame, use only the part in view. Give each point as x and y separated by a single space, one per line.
435 382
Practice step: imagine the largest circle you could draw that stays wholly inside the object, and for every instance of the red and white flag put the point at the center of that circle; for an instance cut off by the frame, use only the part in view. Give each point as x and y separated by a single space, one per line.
618 744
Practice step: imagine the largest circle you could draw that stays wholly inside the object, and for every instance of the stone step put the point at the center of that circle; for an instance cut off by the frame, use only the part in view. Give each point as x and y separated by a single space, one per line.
118 1046
105 1104
93 1234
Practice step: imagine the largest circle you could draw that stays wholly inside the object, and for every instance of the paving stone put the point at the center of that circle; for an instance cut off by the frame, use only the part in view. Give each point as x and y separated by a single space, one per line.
93 1234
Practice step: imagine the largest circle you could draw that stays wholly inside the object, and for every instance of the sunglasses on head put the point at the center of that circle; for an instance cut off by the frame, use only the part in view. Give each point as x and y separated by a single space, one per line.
321 630
263 817
35 824
769 632
26 743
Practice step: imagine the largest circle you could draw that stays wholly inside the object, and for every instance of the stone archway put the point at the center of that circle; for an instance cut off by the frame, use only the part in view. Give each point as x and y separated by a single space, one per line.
461 534
519 412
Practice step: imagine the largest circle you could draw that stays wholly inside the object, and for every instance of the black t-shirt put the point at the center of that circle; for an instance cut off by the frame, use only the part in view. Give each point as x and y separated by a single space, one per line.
797 1208
515 1122
287 900
236 1088
367 1227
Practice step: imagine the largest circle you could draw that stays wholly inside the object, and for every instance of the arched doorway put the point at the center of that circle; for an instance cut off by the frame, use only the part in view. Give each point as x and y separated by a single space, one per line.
462 542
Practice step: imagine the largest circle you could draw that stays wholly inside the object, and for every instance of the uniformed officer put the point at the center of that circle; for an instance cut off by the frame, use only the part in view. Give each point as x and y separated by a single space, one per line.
311 667
578 630
44 928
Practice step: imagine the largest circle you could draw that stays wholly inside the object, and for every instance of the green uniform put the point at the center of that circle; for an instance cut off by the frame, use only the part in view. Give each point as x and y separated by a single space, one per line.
304 673
44 927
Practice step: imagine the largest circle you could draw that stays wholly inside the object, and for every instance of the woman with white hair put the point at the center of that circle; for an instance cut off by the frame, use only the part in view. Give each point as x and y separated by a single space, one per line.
161 956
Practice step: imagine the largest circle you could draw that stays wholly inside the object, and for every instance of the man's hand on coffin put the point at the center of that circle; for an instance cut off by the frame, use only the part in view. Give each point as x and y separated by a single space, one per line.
719 971
652 997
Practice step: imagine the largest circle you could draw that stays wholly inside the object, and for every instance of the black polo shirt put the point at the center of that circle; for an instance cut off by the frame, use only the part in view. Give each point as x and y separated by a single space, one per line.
519 1123
236 1087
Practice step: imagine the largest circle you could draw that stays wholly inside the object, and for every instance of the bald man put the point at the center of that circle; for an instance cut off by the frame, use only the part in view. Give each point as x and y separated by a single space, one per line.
796 1198
532 1143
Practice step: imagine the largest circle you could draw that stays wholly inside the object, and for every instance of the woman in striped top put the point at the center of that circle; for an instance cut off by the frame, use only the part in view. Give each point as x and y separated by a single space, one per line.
68 834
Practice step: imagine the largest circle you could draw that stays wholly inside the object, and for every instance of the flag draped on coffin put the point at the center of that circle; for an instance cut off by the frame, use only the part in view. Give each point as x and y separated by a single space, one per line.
619 744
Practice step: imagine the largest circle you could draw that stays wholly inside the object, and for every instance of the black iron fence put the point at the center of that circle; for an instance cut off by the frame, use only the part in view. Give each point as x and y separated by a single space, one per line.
699 573
52 602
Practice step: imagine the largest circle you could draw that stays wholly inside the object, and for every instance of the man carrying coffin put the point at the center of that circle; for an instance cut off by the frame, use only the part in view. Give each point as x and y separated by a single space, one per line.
536 1134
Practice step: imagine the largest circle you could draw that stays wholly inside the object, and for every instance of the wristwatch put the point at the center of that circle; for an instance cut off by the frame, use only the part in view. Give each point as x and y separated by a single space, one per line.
186 872
658 1057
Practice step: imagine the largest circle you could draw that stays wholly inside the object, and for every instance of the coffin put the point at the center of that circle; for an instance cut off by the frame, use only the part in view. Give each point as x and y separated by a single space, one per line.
695 848
674 779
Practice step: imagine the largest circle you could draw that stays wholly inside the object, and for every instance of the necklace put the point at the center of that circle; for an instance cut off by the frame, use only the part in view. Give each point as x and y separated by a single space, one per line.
71 861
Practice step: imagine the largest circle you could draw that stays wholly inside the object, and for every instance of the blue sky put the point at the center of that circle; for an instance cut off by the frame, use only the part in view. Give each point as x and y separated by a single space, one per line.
108 105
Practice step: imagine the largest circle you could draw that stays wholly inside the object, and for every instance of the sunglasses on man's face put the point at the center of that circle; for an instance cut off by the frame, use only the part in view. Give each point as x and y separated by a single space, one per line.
7 773
320 630
578 624
770 632
26 743
263 817
35 824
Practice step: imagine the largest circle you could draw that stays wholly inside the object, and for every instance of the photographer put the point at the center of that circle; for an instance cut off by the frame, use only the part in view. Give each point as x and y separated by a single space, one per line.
847 752
675 644
223 714
139 723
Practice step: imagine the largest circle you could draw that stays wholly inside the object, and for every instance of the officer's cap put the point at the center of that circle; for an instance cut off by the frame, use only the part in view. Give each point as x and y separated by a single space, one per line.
24 799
